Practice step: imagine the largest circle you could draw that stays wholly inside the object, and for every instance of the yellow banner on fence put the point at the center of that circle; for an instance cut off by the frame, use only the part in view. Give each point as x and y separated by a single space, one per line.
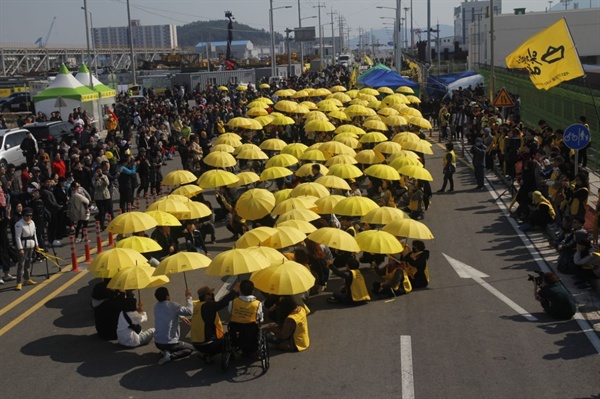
550 57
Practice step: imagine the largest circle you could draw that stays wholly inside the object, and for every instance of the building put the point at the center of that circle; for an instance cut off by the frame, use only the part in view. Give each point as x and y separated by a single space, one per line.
469 12
151 36
513 29
240 49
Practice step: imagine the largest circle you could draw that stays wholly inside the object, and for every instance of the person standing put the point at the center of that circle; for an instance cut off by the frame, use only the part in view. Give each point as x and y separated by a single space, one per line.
444 118
449 168
143 170
479 151
79 209
166 320
101 185
583 158
27 243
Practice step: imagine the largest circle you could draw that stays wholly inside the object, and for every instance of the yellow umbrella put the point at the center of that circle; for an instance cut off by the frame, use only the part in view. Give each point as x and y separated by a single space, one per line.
378 242
383 215
198 210
284 237
409 228
285 93
188 191
341 97
320 92
239 122
255 204
236 261
373 137
301 225
376 104
309 104
383 172
257 111
388 147
395 99
340 159
222 148
264 120
181 262
414 99
352 93
347 140
246 147
299 214
283 160
420 122
275 172
178 177
416 172
318 126
315 116
230 141
312 189
286 106
337 89
395 120
217 178
264 86
385 90
108 263
403 137
349 128
220 160
304 202
136 278
355 206
300 94
386 112
272 145
282 195
313 155
329 107
140 244
306 170
357 110
245 178
405 90
172 206
274 257
369 157
302 109
131 222
403 154
255 125
252 154
339 115
164 218
175 197
266 100
345 171
370 99
336 148
409 111
295 149
335 238
254 237
420 146
325 205
333 182
369 91
242 88
257 104
223 88
282 121
375 117
404 161
288 278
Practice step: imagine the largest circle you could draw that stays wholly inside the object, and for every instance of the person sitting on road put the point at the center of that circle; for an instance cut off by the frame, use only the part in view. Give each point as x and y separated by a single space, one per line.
162 235
395 281
416 264
292 334
193 238
354 291
107 305
207 330
246 312
129 331
541 213
553 296
166 320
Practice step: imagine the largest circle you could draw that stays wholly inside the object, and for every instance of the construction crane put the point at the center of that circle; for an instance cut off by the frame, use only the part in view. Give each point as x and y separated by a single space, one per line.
43 42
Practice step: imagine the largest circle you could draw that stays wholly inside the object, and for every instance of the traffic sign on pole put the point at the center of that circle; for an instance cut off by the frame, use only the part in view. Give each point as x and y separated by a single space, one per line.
576 136
503 99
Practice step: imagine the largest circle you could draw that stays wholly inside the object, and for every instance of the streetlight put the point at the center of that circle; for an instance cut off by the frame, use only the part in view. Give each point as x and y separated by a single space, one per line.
93 41
273 58
397 35
87 38
302 42
406 27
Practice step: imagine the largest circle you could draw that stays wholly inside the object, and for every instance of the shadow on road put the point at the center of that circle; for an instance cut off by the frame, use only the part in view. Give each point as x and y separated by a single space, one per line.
76 313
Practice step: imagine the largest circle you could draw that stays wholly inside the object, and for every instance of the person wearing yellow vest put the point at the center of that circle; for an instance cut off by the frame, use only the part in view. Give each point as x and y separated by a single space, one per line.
354 291
576 195
246 312
416 267
395 281
541 213
291 334
207 330
449 168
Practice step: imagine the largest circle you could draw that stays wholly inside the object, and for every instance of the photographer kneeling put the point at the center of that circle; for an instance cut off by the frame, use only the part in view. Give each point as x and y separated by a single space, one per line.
555 299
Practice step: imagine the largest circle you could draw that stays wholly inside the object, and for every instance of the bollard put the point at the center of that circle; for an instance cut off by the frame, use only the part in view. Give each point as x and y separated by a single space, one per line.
129 206
154 194
73 254
88 255
98 237
160 189
440 135
430 132
137 203
147 199
111 240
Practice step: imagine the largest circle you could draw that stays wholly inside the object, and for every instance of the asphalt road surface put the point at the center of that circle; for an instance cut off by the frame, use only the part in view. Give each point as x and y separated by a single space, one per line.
476 332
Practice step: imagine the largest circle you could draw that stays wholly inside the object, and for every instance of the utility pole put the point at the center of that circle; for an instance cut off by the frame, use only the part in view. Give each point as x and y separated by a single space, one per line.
131 53
301 43
406 27
428 55
332 38
319 6
412 31
289 54
439 53
492 74
341 28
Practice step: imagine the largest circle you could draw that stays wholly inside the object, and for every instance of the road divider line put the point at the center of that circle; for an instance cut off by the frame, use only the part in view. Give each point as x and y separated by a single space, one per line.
41 303
406 367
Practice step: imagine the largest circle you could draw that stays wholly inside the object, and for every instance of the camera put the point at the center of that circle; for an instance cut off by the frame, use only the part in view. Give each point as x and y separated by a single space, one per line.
539 279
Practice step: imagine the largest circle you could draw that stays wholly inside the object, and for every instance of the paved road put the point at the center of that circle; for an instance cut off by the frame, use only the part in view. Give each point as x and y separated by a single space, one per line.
481 336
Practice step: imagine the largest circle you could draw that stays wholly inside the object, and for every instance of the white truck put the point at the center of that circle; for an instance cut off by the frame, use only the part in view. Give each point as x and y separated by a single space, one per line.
345 60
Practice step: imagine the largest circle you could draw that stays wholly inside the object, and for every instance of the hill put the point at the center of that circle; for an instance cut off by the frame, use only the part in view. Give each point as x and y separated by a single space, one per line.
216 31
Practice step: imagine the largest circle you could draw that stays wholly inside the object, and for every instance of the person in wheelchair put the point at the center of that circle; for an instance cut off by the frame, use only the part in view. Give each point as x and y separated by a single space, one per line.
246 314
207 330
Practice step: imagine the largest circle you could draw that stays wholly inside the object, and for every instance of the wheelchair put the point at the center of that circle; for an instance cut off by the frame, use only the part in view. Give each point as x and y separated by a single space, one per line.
231 346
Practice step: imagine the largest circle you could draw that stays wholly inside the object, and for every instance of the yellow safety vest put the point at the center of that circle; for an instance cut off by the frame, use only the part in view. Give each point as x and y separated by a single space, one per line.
244 312
197 329
300 335
545 201
358 287
351 230
389 276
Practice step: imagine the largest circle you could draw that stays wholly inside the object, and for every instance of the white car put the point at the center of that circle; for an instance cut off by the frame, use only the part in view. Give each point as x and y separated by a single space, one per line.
10 149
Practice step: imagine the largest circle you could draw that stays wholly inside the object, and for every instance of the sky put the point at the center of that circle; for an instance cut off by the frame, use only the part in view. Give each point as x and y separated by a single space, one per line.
23 21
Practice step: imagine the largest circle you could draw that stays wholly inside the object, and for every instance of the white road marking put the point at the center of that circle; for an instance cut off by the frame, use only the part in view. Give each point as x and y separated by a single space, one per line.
466 271
406 368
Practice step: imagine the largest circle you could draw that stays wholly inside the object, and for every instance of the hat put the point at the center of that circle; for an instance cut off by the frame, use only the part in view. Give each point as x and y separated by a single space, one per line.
478 140
36 169
205 290
486 130
28 211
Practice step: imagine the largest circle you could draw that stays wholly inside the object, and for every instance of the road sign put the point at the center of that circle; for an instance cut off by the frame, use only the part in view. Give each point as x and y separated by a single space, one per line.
576 136
503 99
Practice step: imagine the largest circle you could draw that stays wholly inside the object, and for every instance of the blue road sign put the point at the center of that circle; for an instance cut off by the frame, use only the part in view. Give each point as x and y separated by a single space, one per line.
576 136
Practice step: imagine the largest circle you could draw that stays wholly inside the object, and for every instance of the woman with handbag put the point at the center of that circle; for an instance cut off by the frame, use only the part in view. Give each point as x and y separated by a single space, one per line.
129 330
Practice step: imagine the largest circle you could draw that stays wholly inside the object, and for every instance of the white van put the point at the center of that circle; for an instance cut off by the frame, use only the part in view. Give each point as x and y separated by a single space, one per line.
345 60
10 150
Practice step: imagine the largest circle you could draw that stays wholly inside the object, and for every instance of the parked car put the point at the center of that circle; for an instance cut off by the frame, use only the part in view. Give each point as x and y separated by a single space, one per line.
50 134
18 104
13 95
10 150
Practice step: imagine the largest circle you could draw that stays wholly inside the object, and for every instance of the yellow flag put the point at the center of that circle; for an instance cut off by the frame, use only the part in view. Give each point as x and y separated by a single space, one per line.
368 60
550 57
353 77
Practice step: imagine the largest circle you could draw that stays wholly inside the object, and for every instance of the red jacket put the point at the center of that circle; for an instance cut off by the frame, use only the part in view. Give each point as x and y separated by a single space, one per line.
59 168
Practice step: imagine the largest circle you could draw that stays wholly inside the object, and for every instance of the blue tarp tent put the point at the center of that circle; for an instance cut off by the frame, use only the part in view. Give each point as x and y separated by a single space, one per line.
437 86
379 77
